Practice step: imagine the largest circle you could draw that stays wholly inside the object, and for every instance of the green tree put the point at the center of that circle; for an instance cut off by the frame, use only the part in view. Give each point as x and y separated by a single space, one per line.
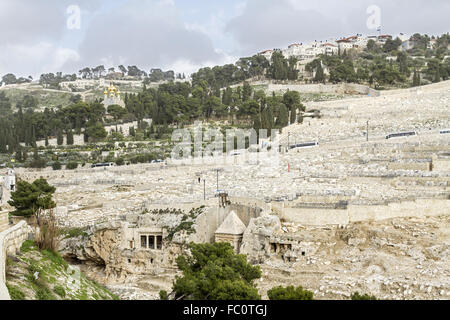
132 131
283 117
291 98
416 79
70 140
117 111
96 132
9 79
5 103
437 75
215 272
31 198
289 293
227 97
372 46
247 91
278 69
392 45
249 108
293 117
320 76
59 137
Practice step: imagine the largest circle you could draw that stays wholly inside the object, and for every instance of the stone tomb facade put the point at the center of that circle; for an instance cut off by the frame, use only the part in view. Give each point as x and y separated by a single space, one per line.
146 238
231 230
150 241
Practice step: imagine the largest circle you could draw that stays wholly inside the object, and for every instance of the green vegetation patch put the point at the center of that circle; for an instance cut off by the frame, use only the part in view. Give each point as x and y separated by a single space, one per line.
357 296
45 275
15 293
28 246
187 222
68 233
59 290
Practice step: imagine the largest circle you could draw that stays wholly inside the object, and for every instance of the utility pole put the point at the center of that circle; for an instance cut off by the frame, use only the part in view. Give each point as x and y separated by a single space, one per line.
217 170
289 134
367 131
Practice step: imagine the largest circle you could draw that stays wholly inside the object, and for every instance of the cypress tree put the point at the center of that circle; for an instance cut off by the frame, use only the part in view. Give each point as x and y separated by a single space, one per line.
59 137
283 117
437 76
300 118
319 77
293 114
70 137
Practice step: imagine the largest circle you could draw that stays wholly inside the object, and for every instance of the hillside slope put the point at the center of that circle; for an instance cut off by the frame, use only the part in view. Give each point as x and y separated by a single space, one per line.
44 275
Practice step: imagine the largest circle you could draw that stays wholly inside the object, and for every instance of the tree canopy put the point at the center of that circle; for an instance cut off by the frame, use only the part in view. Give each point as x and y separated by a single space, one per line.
215 272
289 293
31 198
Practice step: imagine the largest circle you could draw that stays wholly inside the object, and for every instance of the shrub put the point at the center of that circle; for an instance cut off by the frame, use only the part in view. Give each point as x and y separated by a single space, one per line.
72 165
289 293
60 291
163 295
56 165
357 296
37 164
120 162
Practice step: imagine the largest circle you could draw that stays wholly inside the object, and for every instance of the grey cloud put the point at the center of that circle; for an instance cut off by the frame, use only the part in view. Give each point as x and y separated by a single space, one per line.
144 33
267 24
30 21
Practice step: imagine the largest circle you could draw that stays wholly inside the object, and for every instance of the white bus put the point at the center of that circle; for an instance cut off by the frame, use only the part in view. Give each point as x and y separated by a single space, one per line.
304 145
401 134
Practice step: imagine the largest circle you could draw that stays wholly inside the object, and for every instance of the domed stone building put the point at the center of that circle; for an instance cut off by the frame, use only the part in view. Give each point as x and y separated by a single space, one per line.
112 96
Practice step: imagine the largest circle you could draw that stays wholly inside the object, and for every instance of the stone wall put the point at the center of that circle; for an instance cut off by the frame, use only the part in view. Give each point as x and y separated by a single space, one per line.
3 220
359 213
441 164
344 88
10 242
420 166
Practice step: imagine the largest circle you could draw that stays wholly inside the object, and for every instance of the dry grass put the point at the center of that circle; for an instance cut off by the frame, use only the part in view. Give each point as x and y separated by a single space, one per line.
47 233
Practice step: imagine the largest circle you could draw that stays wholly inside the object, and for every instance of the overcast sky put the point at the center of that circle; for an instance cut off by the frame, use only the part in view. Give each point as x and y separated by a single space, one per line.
186 34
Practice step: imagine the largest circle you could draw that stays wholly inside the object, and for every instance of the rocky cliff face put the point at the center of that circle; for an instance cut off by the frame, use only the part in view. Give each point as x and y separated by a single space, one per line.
106 245
254 241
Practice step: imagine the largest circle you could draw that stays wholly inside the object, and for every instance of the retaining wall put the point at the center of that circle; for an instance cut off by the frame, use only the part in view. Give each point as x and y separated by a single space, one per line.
343 88
358 213
4 223
10 242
